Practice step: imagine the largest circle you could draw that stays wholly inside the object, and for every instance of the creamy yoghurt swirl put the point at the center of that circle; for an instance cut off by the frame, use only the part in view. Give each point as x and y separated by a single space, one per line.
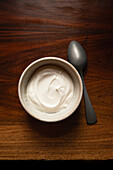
50 89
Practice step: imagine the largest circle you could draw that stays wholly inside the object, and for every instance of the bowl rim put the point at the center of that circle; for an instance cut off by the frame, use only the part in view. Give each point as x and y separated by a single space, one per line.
43 59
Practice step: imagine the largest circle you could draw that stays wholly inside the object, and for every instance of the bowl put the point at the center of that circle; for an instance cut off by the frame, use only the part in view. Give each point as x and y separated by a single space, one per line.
28 73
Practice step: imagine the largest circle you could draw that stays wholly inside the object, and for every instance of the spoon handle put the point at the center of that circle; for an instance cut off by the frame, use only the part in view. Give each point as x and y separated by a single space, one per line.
90 113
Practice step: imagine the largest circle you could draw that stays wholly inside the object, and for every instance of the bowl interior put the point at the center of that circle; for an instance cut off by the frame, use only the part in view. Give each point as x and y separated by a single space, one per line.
24 79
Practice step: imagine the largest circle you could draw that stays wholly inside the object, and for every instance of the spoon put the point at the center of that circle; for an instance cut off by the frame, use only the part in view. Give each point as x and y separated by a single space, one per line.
77 57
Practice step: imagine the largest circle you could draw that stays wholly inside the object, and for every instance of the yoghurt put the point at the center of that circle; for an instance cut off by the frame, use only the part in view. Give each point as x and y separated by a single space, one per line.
50 89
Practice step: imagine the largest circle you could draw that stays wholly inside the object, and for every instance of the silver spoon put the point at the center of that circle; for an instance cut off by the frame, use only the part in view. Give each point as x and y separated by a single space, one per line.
77 57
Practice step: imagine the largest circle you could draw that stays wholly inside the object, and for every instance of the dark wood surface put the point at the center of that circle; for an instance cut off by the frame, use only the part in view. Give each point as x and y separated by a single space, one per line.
31 29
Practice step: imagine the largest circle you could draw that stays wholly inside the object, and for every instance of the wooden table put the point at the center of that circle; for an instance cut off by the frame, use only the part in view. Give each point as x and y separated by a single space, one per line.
31 29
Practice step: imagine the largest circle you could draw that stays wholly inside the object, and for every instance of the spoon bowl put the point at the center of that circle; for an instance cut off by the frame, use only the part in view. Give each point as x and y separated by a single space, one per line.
77 55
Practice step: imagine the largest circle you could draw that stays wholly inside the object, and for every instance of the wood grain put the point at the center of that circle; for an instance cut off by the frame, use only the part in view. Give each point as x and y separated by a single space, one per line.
31 29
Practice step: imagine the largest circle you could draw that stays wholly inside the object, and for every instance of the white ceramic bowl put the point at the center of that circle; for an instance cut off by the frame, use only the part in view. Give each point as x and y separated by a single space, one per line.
24 79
